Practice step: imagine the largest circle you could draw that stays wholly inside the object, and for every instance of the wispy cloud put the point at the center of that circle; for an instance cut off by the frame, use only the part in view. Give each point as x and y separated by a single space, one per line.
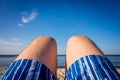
31 17
11 46
20 24
26 18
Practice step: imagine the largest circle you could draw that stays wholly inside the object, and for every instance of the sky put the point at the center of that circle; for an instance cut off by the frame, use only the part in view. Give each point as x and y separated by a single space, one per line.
21 21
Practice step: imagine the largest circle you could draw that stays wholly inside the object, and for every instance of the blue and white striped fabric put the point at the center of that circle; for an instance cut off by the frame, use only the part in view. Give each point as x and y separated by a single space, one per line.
28 70
92 67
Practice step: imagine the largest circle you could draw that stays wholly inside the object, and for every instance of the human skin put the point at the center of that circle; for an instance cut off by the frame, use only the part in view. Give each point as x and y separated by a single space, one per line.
80 46
42 49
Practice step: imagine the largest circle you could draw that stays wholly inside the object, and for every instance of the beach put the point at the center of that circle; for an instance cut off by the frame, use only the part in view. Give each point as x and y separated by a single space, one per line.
60 72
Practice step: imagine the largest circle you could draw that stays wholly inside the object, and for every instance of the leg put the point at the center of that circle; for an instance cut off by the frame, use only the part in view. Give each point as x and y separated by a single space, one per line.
80 46
42 49
85 60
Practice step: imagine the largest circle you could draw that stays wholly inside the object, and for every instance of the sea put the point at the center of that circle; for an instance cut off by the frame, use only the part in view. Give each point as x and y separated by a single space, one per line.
5 60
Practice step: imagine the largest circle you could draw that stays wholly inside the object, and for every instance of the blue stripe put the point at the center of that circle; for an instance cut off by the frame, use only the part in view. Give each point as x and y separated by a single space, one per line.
11 73
7 71
18 72
102 72
85 69
37 71
107 70
73 70
110 72
93 73
31 70
50 76
26 69
82 70
89 73
47 76
96 64
22 68
78 70
69 73
114 71
42 73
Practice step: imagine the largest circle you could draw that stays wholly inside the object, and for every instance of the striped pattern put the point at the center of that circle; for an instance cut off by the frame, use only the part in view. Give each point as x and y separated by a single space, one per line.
92 67
27 70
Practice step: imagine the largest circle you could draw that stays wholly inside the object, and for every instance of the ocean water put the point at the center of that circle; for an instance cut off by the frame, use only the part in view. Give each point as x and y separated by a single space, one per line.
6 60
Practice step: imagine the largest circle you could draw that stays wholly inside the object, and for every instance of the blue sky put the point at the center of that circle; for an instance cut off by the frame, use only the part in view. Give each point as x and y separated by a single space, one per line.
24 20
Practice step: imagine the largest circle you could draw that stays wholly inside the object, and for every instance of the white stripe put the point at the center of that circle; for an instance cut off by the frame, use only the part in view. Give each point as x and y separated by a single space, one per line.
4 76
71 72
17 70
111 69
75 78
75 68
93 68
103 68
38 73
82 70
11 70
32 67
88 69
23 69
51 76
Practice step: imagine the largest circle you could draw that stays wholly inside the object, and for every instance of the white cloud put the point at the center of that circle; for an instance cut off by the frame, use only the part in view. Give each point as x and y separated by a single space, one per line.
26 18
11 41
33 15
30 17
11 46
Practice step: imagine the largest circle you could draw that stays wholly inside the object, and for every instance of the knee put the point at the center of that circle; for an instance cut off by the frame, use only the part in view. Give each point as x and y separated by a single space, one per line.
46 39
78 38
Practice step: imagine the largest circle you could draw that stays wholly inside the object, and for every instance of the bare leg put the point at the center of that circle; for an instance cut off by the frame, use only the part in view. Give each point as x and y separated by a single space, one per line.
80 46
42 49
